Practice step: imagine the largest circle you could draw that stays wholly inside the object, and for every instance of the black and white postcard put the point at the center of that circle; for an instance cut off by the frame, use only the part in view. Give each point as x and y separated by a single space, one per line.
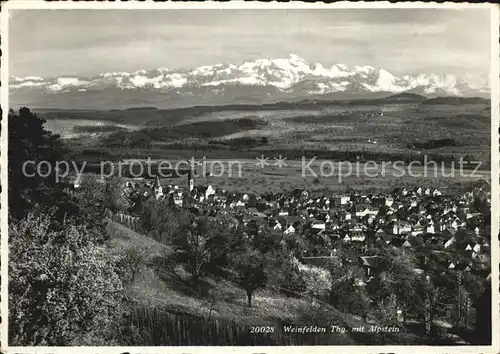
255 177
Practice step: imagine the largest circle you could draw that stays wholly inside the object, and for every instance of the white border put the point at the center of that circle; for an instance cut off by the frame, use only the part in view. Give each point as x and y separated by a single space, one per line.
495 169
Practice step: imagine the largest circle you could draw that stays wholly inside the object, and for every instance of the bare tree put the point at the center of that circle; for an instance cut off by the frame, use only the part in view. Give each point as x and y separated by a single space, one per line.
211 298
200 240
134 259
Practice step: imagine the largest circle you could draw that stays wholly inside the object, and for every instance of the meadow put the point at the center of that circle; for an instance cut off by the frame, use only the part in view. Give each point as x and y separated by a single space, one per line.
243 175
387 127
398 128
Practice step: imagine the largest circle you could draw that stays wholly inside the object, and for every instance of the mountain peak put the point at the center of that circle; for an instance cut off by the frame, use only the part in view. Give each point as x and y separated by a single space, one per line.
296 58
291 75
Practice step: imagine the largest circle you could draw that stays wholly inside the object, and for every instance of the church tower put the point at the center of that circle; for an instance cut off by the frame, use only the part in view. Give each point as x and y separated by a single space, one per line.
158 190
190 179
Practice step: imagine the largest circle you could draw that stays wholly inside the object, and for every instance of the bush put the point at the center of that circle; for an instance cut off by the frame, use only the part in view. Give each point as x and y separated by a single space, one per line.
310 280
62 287
318 281
386 311
290 277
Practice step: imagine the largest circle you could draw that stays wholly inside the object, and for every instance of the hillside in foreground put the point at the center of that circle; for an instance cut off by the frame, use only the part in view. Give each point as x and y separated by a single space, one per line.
165 298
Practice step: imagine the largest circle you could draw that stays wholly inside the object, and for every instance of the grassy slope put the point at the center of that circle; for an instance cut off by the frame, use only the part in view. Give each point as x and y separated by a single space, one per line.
170 289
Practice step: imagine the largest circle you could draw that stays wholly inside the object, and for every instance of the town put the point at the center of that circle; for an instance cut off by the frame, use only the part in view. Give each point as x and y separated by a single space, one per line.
402 219
448 235
278 179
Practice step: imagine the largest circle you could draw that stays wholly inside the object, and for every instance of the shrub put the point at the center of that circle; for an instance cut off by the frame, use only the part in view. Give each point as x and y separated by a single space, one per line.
290 277
310 280
62 287
386 311
318 281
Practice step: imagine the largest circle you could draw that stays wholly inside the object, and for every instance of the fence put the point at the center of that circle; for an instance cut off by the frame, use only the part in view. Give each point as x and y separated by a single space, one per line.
162 328
134 223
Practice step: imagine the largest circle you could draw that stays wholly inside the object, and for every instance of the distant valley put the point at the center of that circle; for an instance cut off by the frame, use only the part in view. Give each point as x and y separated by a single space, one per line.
402 126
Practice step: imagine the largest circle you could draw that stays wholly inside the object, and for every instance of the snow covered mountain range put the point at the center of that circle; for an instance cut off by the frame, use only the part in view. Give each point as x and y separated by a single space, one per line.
259 81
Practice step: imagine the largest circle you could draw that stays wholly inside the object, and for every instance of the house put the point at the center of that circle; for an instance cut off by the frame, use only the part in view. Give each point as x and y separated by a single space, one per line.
366 211
357 234
401 227
464 209
345 216
289 230
204 191
406 244
240 204
339 200
369 264
210 191
453 224
440 225
463 267
334 236
418 271
178 200
430 227
275 225
382 236
246 219
397 242
396 206
300 194
472 215
450 242
417 229
318 224
436 193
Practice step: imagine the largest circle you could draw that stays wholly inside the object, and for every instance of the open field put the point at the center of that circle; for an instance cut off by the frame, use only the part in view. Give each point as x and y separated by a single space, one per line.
402 128
75 128
380 126
244 175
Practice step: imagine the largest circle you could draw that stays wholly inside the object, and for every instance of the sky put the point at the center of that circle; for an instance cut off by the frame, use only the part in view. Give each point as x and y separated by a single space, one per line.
51 43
